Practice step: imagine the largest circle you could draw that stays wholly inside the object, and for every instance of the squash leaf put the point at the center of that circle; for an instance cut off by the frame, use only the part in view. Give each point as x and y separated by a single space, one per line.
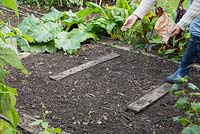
70 41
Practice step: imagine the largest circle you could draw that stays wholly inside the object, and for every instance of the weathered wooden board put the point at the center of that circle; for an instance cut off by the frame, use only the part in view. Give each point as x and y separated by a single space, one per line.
23 55
84 66
25 122
149 98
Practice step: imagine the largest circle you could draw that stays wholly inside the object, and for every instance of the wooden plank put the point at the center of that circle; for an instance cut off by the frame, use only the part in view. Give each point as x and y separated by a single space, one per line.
25 121
23 55
84 66
150 97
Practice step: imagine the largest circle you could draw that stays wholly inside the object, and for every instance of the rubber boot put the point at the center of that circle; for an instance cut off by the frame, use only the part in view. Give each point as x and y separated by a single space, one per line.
189 58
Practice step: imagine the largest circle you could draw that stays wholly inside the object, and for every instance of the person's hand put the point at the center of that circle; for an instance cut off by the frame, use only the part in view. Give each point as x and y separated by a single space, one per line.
129 22
175 30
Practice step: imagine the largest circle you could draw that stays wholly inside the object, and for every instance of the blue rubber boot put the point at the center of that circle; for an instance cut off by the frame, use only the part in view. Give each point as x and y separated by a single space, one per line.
189 58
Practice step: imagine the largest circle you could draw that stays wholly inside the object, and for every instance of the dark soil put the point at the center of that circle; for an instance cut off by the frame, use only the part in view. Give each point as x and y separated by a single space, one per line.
94 101
10 17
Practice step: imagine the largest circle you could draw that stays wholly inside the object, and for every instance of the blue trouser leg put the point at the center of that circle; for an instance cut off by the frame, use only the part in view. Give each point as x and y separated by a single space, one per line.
192 52
190 56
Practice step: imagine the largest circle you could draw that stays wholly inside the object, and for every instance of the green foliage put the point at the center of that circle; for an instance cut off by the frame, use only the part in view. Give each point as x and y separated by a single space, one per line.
67 3
38 30
123 4
56 30
193 129
187 95
111 20
8 52
91 8
175 46
8 56
54 15
45 126
7 108
70 41
10 4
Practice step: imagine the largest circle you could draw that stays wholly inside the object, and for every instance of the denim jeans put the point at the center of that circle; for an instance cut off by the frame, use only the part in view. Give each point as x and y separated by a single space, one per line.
195 25
191 55
192 52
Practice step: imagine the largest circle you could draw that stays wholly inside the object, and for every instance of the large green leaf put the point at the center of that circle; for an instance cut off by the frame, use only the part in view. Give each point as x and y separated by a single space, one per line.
181 120
72 20
110 27
3 74
70 41
91 8
181 102
10 4
29 23
119 14
194 129
45 32
100 22
40 47
92 35
54 15
10 43
86 12
7 104
9 57
9 131
93 5
38 30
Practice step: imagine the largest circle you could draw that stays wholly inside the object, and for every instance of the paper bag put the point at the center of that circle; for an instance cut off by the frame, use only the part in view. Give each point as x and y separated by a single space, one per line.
163 27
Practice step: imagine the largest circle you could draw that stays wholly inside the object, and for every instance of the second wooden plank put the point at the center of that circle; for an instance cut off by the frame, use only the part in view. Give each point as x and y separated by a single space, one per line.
84 66
149 98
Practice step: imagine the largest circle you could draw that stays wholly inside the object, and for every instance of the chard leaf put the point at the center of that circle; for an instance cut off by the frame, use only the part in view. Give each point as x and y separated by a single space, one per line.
123 4
110 27
91 8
